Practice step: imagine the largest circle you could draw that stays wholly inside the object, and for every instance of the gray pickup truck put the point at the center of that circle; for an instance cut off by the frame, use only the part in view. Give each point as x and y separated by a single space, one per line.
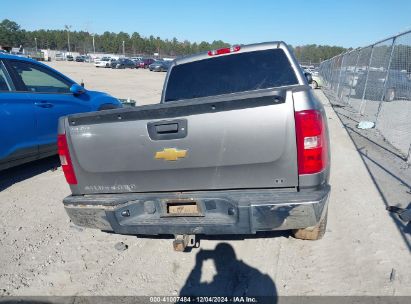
238 144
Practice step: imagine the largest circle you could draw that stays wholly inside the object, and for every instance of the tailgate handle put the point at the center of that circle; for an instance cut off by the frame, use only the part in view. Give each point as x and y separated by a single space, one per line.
167 129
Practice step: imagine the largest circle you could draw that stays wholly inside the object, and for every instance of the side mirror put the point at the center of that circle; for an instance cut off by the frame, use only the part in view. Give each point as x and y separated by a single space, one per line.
309 77
77 89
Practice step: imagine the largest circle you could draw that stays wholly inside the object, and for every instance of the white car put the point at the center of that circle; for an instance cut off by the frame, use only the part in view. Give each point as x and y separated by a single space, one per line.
103 62
59 57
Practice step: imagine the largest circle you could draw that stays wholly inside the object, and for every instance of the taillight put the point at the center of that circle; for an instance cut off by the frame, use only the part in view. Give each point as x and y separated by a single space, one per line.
232 49
65 159
311 141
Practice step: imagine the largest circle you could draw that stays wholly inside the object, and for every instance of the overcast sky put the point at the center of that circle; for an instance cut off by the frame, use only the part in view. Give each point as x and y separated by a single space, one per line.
348 23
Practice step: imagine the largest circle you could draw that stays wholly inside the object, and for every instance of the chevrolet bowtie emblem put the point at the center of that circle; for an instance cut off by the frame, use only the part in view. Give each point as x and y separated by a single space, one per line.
170 154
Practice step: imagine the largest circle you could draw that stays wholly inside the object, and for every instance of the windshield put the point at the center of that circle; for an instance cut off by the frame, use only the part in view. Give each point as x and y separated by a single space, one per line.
230 74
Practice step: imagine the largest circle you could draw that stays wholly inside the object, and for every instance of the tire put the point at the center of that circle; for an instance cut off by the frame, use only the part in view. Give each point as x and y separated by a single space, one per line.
314 84
107 65
312 233
389 95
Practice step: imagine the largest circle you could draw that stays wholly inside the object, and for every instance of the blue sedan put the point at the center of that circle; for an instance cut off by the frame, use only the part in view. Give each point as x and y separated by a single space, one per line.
32 98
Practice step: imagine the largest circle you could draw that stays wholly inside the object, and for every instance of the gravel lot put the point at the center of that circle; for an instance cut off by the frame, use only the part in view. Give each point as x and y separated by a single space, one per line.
141 85
42 253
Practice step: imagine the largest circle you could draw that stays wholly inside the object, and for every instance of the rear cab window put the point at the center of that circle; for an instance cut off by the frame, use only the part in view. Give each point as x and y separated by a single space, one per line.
234 73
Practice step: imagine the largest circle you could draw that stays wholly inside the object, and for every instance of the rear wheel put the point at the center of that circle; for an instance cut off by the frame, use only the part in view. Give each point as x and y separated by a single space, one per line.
312 233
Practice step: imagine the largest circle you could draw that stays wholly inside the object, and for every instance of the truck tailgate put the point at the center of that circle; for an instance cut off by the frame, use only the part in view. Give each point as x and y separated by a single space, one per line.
247 141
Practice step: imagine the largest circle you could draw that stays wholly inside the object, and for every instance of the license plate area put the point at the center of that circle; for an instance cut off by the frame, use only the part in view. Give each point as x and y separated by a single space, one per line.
182 208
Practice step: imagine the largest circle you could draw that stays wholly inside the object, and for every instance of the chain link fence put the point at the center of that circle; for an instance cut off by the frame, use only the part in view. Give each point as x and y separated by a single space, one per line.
373 84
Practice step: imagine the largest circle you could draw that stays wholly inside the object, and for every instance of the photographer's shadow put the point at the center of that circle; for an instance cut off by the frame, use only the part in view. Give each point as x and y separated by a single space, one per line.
233 278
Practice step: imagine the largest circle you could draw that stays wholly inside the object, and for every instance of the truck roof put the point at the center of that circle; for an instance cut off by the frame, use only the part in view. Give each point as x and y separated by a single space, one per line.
243 49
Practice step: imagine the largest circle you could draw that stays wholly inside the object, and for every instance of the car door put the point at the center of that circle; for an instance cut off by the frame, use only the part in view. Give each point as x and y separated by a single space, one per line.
51 96
17 122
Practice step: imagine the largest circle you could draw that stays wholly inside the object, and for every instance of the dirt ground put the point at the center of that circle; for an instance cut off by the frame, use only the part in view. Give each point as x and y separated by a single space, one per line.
43 253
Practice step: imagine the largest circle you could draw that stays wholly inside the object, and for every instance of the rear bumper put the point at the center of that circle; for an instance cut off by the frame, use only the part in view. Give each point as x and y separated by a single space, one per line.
222 212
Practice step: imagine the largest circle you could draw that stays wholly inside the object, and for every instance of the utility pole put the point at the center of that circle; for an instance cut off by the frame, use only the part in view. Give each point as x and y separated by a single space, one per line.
124 53
68 27
35 39
94 47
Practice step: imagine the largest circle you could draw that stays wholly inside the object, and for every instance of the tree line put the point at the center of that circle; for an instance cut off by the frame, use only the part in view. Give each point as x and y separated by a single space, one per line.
12 35
316 53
